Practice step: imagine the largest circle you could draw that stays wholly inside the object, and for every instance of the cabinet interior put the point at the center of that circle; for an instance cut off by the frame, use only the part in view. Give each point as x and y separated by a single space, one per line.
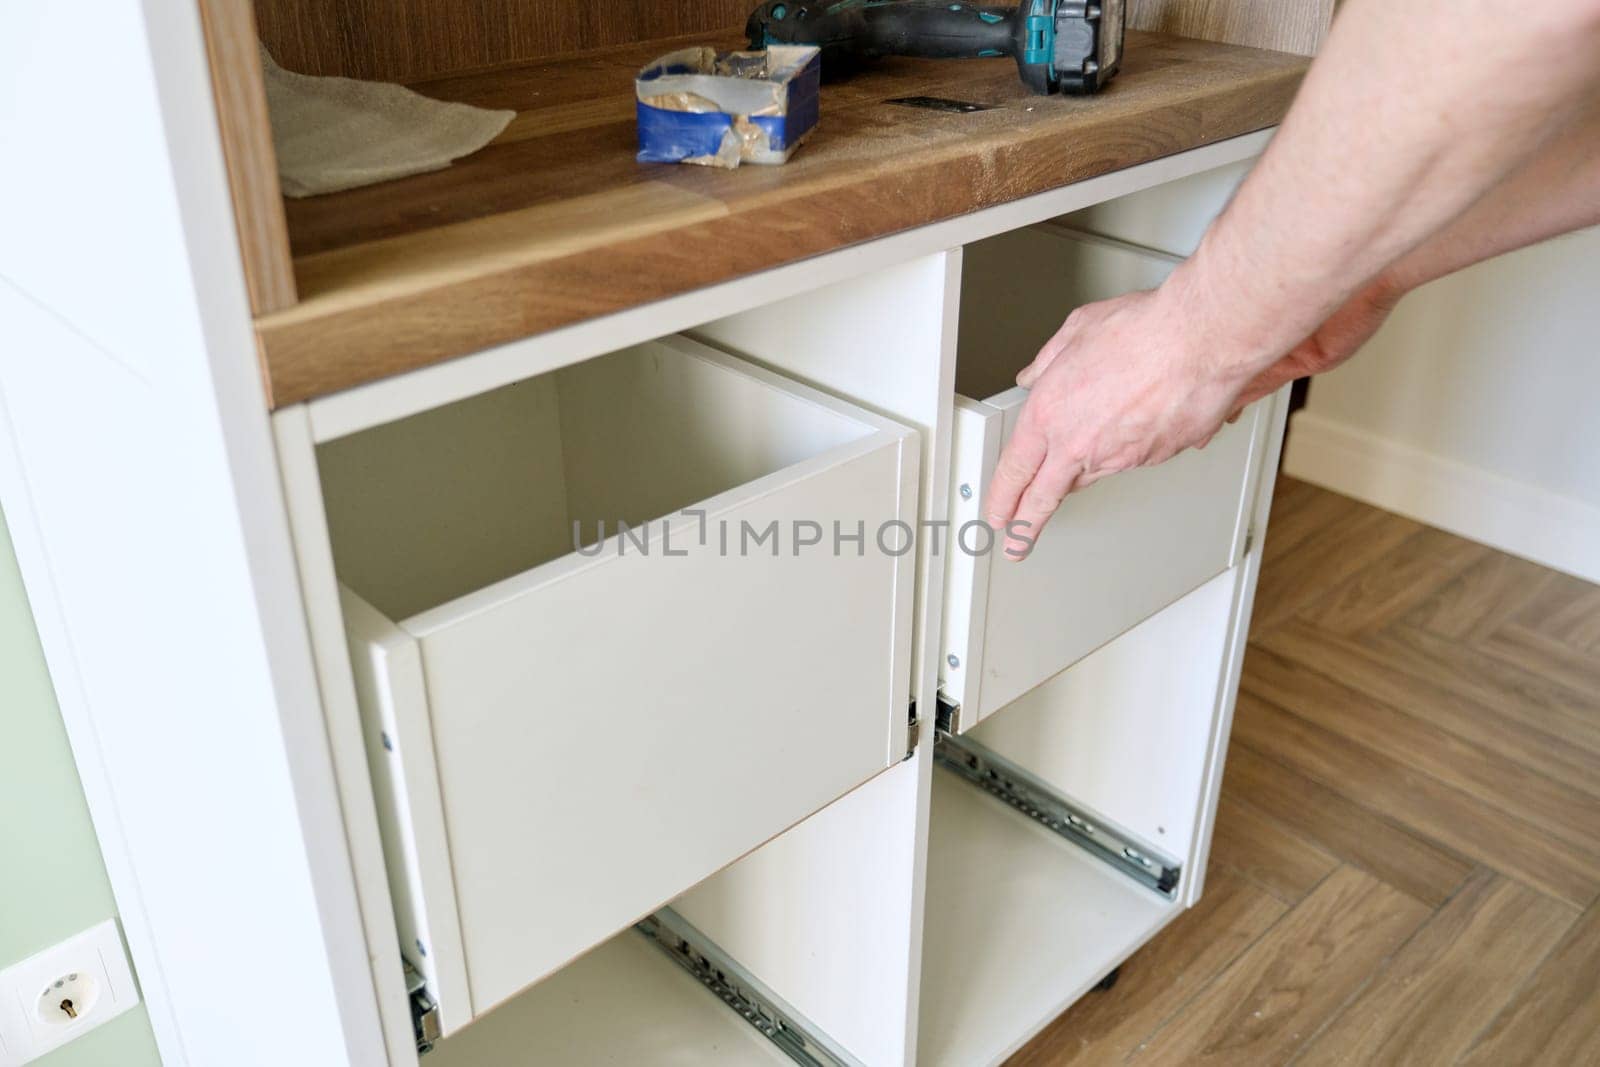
622 1003
1020 923
1017 288
538 465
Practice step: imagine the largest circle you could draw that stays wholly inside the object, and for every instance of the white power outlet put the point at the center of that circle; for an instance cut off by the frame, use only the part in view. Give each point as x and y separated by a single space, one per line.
56 995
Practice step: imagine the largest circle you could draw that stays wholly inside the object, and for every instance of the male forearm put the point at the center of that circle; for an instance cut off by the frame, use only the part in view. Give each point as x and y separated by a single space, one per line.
1397 133
1555 192
1383 169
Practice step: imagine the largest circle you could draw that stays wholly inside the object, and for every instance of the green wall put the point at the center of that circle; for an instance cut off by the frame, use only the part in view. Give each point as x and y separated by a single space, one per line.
52 880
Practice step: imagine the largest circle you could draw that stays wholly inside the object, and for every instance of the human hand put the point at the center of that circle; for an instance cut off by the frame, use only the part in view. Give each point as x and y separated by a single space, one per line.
1128 382
1124 383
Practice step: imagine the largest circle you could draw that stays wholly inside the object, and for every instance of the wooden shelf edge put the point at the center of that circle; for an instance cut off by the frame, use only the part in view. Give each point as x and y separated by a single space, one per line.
400 303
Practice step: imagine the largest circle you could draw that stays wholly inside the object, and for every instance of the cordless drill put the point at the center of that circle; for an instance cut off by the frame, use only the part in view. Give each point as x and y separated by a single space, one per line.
1070 46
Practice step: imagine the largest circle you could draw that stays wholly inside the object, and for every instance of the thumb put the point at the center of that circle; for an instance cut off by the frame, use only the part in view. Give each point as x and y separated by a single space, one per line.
1041 363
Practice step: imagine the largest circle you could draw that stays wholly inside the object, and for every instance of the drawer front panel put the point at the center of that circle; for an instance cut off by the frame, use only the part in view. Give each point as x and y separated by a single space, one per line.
1113 555
609 734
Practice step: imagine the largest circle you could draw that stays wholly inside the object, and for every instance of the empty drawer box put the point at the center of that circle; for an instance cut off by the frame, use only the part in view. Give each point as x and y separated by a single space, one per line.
563 740
1113 554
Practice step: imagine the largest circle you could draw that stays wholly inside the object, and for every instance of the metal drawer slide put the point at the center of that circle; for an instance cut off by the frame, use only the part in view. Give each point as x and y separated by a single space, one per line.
1024 792
742 991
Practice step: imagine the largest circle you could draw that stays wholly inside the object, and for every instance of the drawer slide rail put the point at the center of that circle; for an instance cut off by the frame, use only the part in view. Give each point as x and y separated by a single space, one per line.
913 732
743 992
424 1012
1022 791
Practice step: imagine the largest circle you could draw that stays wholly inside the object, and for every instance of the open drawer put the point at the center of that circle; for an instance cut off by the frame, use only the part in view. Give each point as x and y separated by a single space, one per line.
564 739
1115 553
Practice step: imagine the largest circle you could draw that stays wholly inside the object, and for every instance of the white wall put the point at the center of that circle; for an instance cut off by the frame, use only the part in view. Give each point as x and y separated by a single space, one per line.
1477 408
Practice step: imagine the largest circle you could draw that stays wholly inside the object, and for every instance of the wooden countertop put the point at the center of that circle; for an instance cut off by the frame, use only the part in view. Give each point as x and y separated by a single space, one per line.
555 223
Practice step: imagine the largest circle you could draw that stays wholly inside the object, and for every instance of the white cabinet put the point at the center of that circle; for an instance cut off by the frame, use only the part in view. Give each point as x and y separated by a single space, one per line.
1088 689
563 739
1114 553
724 713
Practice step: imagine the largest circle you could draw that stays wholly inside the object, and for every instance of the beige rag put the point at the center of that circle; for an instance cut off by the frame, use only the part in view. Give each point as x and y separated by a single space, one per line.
340 133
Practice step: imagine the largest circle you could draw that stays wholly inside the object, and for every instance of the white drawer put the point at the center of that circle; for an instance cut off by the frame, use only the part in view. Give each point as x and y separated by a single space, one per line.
1113 554
562 742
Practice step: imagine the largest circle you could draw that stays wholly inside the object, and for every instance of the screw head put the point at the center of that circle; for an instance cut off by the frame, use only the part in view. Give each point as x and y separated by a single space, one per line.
421 947
966 491
388 745
953 660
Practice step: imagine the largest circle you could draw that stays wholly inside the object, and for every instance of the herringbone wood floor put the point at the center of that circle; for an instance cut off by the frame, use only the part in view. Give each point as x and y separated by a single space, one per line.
1407 858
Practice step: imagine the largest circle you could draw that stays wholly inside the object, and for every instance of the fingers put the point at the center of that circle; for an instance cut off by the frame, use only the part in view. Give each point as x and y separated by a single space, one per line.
1040 500
1019 462
1041 363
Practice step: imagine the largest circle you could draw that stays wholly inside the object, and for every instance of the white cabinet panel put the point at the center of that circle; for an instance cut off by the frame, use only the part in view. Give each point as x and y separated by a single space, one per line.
1127 730
623 1004
1019 925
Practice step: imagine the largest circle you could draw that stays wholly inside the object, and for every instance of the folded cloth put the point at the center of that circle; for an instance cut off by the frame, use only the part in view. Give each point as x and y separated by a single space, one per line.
340 133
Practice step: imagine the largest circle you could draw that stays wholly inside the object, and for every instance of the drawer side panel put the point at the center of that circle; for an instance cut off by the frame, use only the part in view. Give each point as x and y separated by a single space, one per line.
387 669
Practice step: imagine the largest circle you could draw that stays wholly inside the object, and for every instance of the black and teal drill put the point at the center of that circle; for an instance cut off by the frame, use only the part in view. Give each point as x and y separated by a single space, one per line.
1068 46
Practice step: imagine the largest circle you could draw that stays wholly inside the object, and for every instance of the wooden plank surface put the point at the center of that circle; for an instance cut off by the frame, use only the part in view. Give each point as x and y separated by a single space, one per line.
1488 772
1270 1000
241 102
1416 570
1293 26
1403 709
1196 948
1553 1017
1267 852
1361 838
404 40
1429 1004
1378 672
555 222
1452 816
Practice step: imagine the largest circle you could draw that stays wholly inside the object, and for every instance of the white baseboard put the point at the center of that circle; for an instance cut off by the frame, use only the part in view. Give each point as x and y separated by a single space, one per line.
1536 524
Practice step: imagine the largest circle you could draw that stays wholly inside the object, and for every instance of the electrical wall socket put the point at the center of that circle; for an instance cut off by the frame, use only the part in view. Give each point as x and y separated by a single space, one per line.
56 995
